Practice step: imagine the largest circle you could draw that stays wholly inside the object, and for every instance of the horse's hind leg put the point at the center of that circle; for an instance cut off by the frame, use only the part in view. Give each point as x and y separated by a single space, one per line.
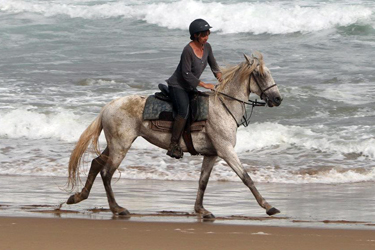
96 165
115 158
207 165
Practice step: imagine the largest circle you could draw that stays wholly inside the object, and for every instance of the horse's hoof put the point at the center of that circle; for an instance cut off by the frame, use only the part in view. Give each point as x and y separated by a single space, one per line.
70 200
273 211
124 213
208 216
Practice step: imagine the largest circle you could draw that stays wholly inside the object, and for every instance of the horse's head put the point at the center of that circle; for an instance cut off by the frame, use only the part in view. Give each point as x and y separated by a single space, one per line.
261 81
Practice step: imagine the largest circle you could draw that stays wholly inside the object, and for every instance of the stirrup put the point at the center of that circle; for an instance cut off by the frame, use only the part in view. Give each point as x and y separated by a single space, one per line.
175 151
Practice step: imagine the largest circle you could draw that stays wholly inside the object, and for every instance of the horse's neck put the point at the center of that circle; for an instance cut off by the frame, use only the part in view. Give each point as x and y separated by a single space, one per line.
238 90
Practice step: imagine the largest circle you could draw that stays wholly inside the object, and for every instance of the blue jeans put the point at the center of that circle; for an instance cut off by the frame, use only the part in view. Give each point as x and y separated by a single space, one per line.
180 99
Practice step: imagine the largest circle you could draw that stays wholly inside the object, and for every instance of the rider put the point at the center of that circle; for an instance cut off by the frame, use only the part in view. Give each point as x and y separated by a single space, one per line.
185 79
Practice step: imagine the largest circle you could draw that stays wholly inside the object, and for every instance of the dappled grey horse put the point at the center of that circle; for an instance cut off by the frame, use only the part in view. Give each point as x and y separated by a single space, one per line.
122 122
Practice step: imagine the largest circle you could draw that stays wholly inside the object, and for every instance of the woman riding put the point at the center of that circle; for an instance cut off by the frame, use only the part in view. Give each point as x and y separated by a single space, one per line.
185 79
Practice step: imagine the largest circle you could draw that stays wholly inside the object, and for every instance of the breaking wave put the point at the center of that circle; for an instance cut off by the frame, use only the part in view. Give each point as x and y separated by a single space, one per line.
225 17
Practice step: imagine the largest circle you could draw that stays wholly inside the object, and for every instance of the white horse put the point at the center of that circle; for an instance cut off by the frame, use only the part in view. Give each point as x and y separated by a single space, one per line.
122 122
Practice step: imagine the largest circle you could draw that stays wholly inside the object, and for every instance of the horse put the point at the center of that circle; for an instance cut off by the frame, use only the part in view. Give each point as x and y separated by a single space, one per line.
122 122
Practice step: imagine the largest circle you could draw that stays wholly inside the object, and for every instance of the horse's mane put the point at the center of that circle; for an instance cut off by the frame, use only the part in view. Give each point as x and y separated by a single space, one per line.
242 70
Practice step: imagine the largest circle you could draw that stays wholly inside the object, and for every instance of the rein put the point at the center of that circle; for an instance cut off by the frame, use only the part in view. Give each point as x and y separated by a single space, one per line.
245 121
246 118
250 102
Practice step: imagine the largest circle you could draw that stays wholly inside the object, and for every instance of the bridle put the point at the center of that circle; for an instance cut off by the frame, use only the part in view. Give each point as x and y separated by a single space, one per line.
262 91
245 121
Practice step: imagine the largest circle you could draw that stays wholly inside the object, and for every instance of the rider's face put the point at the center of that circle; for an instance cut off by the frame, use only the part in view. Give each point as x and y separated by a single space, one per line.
203 37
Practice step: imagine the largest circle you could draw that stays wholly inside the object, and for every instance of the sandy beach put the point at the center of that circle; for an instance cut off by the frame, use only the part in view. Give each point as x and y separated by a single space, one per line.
42 233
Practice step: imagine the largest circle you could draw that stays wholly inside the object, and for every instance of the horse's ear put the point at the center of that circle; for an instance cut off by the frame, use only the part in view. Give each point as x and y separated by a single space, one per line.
247 59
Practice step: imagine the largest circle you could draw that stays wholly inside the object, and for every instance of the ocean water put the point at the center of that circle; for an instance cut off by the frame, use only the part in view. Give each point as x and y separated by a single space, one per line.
61 61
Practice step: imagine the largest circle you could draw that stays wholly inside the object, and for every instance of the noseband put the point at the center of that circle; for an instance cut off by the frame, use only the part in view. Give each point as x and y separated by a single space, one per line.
262 91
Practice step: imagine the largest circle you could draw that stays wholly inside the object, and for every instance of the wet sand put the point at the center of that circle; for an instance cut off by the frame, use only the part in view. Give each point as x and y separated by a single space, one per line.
303 205
33 215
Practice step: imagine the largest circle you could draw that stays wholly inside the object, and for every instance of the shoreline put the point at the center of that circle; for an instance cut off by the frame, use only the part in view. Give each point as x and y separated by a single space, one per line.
104 214
346 206
64 233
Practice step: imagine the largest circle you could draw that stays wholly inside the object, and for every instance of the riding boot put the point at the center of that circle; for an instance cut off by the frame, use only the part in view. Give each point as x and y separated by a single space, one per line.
174 149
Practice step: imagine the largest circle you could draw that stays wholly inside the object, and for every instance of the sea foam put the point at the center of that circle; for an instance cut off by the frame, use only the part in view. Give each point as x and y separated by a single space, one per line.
31 124
264 135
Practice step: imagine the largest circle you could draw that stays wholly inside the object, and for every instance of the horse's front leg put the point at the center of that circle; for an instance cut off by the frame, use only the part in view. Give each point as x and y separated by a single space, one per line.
229 155
207 165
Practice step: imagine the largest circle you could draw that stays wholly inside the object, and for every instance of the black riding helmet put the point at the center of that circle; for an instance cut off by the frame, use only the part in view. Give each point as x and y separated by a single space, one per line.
197 26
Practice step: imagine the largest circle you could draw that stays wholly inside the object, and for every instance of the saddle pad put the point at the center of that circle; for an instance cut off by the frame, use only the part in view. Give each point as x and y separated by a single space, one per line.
166 126
154 107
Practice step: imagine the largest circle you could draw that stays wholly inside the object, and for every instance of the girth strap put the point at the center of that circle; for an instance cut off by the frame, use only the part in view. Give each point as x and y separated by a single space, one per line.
186 135
189 143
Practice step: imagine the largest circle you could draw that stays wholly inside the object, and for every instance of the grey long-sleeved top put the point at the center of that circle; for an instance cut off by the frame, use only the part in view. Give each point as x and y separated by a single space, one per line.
190 68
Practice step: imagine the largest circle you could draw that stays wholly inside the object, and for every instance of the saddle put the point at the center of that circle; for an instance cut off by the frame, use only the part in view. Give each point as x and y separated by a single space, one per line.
159 110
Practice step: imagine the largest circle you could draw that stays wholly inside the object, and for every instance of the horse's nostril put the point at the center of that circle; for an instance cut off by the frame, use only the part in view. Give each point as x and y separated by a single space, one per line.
277 100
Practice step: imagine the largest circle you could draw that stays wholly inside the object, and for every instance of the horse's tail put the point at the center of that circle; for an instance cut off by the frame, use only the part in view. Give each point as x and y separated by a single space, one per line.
89 136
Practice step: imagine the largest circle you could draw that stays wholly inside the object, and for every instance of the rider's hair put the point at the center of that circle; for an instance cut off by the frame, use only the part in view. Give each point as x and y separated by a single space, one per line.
196 36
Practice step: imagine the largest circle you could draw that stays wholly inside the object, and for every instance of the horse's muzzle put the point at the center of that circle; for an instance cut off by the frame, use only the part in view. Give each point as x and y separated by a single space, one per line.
275 101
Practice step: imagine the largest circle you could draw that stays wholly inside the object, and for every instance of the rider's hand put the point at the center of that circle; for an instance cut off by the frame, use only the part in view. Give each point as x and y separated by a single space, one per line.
219 77
207 85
